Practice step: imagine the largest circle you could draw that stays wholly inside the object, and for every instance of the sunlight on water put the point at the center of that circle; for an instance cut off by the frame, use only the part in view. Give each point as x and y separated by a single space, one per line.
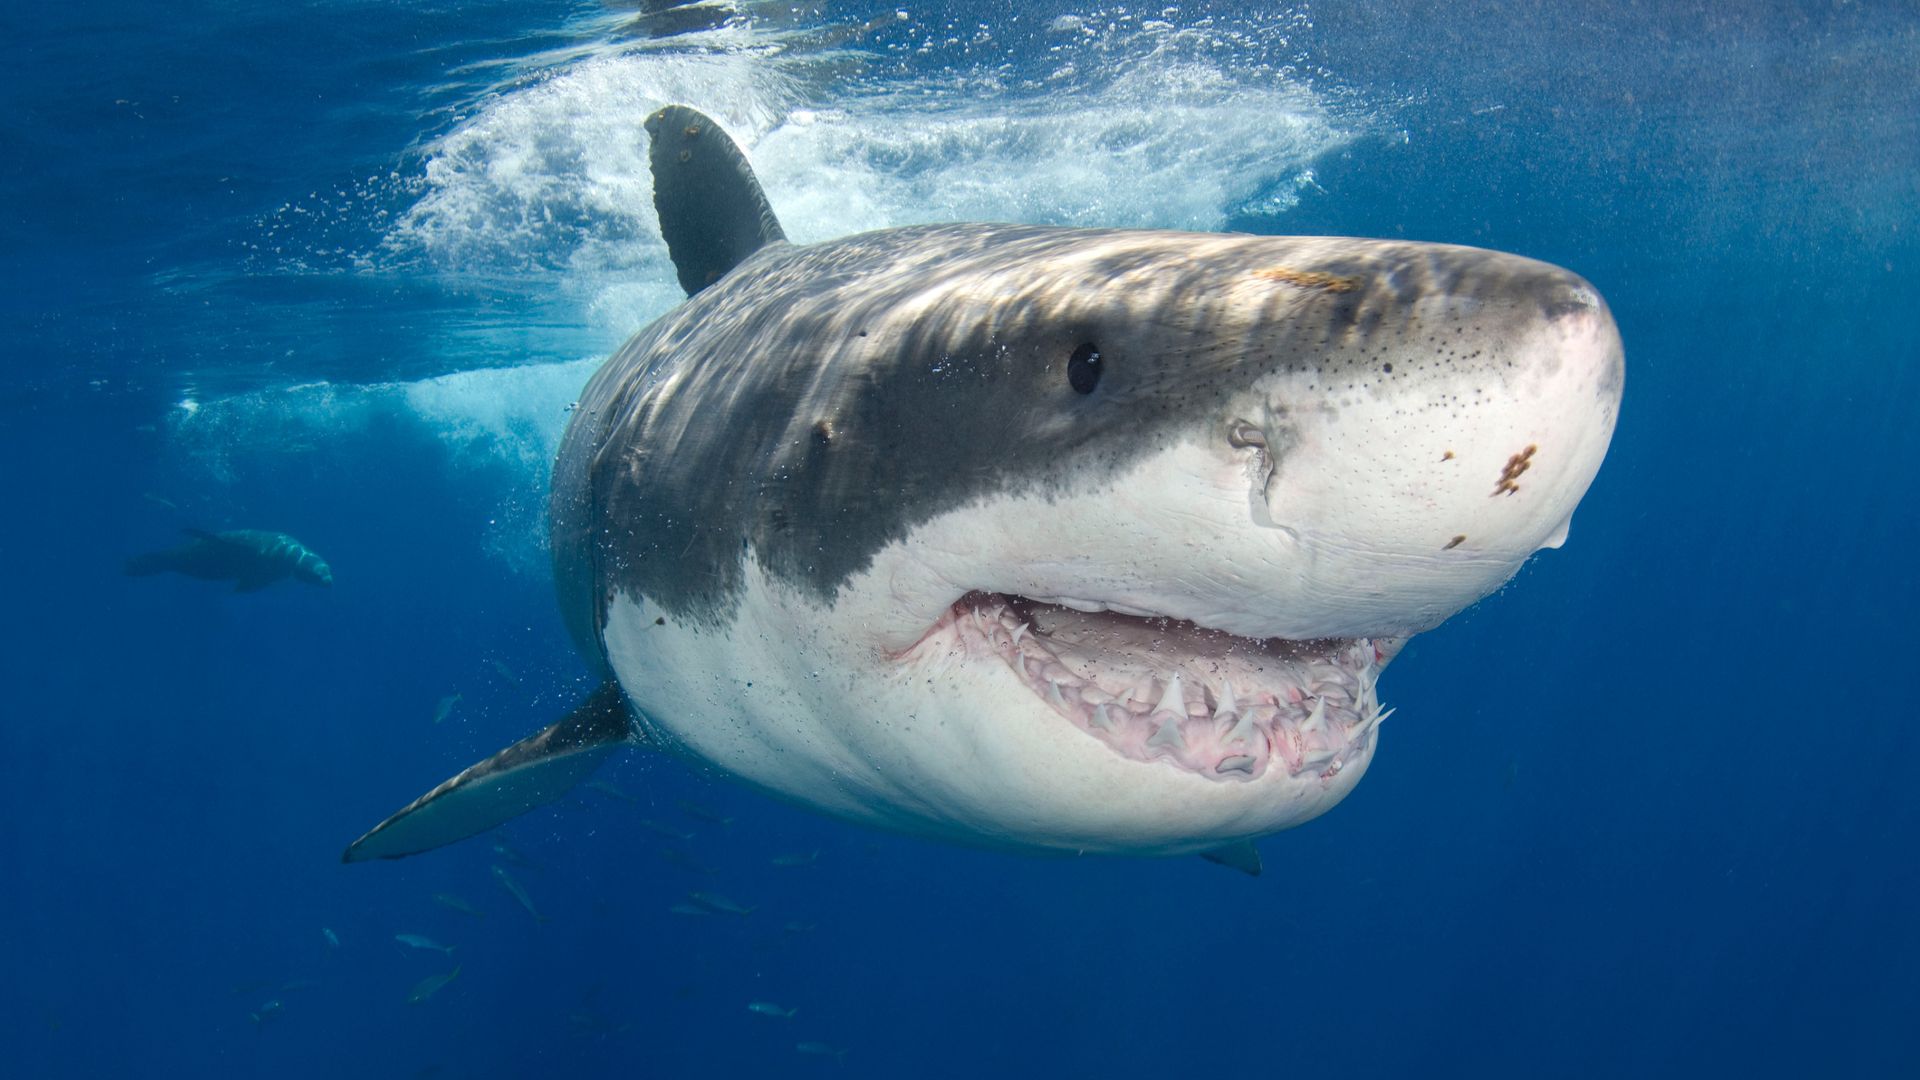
1131 125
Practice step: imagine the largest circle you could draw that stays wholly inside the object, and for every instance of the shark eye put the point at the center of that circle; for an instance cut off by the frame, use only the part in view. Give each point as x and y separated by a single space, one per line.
1083 368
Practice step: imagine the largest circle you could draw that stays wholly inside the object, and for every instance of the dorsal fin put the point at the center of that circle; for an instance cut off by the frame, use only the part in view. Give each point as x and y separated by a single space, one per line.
712 211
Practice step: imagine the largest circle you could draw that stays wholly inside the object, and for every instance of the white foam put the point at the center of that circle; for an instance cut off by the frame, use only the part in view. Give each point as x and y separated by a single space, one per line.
500 427
1128 121
511 415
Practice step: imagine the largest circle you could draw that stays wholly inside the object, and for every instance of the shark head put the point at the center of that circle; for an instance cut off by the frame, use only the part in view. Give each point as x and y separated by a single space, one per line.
1090 540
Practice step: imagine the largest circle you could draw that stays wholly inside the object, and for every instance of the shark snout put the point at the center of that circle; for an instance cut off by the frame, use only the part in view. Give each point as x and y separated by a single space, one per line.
1421 475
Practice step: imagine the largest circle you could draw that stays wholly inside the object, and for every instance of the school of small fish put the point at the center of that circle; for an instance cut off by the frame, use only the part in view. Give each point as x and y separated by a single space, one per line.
702 903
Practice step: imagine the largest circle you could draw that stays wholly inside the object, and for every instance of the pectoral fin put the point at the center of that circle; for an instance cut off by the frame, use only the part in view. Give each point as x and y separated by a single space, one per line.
530 773
1242 856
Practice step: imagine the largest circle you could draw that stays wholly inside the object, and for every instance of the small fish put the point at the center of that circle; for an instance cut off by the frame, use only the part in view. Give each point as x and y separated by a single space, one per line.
298 984
700 813
511 854
520 894
445 708
799 858
605 788
822 1049
718 904
667 831
430 986
505 671
417 941
447 899
333 939
270 1011
159 500
686 862
688 909
768 1008
801 927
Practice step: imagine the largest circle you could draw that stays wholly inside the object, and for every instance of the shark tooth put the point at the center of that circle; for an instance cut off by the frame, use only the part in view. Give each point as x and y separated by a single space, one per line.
1053 696
1168 735
1317 720
1242 731
1374 719
1175 699
1228 705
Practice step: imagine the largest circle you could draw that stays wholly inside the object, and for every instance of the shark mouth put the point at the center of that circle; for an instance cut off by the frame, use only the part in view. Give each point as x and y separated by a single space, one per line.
1168 691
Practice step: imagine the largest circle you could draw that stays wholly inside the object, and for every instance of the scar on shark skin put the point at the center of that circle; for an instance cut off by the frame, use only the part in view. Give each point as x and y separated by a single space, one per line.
1516 465
1308 279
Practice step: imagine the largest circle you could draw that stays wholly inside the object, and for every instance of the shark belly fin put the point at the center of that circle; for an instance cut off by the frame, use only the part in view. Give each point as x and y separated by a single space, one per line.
532 772
1242 856
712 211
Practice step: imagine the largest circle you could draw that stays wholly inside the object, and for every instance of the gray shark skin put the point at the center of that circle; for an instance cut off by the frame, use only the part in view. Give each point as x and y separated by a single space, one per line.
1057 540
250 558
835 367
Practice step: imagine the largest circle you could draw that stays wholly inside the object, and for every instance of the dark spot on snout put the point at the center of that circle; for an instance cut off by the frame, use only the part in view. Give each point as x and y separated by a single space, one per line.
823 432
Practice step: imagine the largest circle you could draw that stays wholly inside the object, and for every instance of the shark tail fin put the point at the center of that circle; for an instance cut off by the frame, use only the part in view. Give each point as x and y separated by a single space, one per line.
532 772
712 211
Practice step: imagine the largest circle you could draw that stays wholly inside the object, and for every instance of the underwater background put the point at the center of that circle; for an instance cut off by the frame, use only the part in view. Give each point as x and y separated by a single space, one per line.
338 267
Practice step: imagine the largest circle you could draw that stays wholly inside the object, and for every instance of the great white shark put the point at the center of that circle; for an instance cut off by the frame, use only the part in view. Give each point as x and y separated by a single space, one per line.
1068 540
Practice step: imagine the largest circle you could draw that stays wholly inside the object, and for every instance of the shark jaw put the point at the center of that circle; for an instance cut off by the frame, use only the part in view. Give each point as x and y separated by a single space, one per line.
986 730
1155 689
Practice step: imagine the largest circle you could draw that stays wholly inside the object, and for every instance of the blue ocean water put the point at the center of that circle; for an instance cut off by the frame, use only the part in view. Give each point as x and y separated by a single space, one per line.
337 267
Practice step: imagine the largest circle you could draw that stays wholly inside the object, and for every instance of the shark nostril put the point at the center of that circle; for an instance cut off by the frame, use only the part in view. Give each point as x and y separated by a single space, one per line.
1243 435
